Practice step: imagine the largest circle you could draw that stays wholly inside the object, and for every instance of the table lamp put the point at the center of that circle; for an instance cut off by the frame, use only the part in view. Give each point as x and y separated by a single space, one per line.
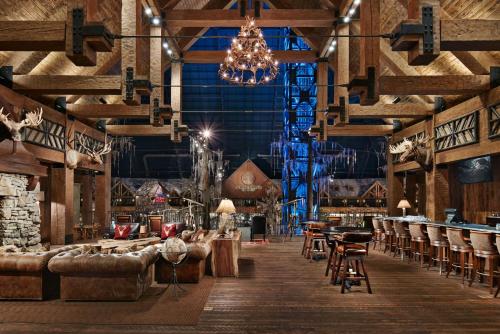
226 207
404 204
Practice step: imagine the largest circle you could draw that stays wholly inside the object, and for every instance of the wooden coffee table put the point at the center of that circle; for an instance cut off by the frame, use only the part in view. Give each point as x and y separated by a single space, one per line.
111 243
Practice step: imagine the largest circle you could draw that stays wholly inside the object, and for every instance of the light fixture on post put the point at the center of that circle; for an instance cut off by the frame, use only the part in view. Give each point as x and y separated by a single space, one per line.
249 61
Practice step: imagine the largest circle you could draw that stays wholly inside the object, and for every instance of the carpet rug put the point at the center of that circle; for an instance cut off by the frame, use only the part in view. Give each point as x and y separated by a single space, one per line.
156 307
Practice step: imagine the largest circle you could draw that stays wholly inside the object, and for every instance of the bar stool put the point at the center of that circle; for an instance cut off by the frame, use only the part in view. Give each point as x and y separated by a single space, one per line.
389 235
332 244
315 241
419 242
484 249
437 242
460 252
351 253
403 240
378 232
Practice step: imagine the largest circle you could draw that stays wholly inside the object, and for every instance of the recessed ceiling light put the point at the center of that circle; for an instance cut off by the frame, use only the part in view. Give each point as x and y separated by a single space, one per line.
156 21
148 11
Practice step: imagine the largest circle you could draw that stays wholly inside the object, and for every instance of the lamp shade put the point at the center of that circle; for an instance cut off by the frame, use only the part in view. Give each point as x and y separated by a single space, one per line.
404 204
226 206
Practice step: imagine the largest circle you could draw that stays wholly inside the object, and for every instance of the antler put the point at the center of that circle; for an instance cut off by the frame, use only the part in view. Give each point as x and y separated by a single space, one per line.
33 118
106 147
4 118
400 147
95 155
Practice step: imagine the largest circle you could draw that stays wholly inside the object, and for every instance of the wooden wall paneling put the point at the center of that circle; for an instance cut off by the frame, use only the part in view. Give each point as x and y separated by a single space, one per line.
87 188
155 70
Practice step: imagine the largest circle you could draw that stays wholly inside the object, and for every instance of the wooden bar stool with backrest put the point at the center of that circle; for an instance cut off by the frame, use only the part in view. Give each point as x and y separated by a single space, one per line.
351 252
378 232
484 249
403 240
332 244
316 242
389 235
460 252
437 242
155 222
419 242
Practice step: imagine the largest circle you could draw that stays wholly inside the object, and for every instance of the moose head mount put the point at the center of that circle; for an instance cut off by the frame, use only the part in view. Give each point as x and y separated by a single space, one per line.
92 154
33 118
416 150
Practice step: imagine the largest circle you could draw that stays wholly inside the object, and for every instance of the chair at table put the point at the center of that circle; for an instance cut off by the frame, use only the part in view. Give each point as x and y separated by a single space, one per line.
154 222
403 239
378 232
437 242
484 249
389 235
419 242
460 252
330 264
123 219
351 253
498 248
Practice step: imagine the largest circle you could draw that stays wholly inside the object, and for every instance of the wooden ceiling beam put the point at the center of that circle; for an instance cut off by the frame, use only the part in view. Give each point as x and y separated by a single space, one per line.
138 130
215 57
68 84
32 35
268 18
344 7
360 130
108 110
398 111
434 84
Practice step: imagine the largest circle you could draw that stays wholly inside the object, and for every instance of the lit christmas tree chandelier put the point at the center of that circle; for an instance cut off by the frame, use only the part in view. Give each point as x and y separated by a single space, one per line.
249 61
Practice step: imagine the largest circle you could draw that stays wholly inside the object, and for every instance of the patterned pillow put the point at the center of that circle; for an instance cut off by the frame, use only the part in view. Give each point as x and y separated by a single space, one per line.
122 232
167 231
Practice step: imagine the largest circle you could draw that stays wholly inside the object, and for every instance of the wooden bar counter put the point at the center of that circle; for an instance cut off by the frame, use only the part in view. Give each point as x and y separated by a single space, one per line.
423 220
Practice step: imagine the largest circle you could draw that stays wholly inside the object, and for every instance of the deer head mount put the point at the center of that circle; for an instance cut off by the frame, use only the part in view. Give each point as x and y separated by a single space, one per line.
33 118
92 155
417 150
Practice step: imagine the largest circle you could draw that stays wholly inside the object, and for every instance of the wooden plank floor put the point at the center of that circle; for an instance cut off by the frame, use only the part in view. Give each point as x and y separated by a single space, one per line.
281 292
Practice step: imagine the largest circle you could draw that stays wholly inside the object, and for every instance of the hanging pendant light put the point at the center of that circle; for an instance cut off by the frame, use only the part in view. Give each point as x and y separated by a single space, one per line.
249 61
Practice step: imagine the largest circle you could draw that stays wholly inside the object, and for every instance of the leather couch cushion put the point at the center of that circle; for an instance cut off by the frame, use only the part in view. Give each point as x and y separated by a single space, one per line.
199 250
30 262
76 263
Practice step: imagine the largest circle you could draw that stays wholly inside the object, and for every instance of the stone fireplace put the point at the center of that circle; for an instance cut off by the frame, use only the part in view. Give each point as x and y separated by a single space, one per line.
19 212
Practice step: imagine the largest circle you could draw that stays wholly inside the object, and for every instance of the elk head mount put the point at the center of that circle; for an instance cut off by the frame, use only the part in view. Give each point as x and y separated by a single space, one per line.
92 154
32 118
417 150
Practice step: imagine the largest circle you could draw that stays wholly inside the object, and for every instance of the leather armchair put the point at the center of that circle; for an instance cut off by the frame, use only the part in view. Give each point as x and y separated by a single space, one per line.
26 276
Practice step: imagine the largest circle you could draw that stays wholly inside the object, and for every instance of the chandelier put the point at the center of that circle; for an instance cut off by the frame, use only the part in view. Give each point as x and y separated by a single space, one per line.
249 61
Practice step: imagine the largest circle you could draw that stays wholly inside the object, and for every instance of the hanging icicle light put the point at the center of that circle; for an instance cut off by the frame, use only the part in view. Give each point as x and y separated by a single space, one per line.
249 61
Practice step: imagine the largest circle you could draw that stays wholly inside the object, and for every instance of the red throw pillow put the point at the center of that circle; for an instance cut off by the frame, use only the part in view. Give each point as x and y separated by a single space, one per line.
167 231
122 231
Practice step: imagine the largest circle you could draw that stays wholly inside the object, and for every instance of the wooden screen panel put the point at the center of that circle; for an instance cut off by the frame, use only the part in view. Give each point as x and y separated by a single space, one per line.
48 134
494 121
457 132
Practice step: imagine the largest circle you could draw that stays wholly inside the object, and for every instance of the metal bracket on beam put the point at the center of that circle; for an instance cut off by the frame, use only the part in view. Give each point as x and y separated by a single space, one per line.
144 87
365 84
320 131
160 113
104 39
424 29
494 77
6 76
340 110
178 131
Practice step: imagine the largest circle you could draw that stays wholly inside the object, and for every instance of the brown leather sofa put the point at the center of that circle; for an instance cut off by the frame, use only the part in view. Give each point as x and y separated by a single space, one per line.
104 276
196 265
26 276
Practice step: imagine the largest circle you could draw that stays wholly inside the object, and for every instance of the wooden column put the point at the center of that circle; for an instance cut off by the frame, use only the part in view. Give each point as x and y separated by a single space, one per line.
45 205
61 198
176 99
102 215
309 180
341 72
156 73
394 188
87 199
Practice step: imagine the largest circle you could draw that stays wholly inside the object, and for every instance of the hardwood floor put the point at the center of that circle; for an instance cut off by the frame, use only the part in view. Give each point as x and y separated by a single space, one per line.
278 291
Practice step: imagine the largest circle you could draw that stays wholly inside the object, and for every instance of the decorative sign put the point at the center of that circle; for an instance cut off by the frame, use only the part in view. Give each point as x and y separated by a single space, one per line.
248 180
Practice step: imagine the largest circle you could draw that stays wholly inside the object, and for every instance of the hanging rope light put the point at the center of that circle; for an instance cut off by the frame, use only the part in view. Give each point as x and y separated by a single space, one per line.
249 61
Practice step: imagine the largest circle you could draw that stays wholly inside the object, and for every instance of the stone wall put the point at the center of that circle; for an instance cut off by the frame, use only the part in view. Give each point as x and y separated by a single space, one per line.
19 212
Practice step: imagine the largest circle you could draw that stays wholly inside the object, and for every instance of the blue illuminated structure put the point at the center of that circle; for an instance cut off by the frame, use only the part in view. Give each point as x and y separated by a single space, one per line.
298 117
